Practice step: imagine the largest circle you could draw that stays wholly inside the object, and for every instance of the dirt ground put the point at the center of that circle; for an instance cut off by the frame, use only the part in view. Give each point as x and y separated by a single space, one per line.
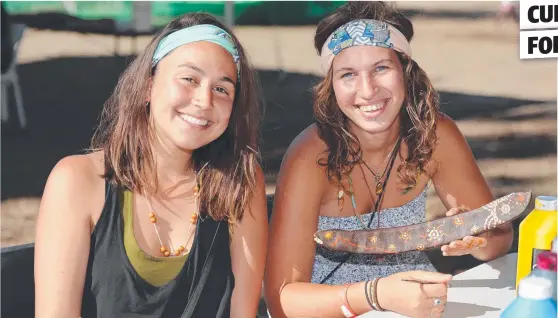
505 107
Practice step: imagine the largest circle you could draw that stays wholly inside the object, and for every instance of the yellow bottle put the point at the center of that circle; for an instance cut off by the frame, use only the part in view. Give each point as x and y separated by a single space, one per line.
536 233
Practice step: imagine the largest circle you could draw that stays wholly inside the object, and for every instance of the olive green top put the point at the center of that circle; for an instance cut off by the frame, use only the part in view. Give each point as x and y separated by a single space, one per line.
157 271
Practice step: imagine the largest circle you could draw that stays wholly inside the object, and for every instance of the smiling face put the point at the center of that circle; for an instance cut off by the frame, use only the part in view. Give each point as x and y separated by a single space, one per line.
369 87
192 94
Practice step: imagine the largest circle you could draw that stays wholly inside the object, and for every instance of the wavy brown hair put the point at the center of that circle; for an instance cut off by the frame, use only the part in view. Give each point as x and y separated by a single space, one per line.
231 161
418 116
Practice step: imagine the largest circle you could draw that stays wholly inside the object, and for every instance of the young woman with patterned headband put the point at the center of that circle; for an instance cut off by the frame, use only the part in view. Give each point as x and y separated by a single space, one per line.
166 217
378 140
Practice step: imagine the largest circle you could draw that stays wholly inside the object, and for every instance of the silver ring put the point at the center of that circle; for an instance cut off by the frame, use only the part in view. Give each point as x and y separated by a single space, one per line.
437 301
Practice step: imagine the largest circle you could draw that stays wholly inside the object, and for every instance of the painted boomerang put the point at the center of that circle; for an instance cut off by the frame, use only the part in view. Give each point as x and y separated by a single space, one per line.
429 234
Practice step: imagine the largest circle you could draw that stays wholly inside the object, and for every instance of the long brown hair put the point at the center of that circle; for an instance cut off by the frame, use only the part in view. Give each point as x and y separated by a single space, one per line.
418 116
125 136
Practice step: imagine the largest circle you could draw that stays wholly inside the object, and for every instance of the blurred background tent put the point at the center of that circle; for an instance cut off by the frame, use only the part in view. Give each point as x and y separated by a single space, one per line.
88 16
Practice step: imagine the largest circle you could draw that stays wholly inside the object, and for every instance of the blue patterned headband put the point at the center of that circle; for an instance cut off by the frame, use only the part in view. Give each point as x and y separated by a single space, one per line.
202 32
363 32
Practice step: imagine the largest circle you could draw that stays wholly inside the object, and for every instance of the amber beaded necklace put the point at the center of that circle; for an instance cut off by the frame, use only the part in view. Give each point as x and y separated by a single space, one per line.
193 220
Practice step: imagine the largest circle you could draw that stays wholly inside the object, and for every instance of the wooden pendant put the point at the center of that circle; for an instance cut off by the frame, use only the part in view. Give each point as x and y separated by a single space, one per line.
379 188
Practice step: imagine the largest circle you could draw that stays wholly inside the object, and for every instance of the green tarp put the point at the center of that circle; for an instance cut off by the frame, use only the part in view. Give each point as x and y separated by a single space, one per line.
246 12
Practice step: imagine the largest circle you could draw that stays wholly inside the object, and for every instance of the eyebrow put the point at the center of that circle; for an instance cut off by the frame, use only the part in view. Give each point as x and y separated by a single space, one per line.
199 70
347 68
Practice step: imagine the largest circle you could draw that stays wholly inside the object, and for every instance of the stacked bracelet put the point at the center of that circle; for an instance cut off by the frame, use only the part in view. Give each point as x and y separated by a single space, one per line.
367 293
370 290
374 294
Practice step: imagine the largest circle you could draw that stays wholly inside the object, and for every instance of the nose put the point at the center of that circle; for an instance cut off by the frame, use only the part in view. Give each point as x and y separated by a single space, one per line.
367 87
203 97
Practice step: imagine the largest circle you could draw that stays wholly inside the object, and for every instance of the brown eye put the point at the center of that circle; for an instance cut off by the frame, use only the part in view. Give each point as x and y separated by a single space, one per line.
222 90
189 79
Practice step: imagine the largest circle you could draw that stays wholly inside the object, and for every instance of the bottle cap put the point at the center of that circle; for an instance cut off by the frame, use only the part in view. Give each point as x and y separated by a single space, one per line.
547 261
535 288
546 203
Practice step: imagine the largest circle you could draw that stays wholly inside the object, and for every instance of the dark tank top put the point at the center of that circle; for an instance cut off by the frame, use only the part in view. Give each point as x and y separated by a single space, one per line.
202 288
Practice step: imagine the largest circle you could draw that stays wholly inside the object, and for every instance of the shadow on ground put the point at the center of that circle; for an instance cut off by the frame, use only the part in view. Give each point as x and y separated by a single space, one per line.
63 98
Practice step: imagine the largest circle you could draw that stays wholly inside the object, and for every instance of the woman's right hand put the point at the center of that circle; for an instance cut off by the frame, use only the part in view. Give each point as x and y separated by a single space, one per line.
425 296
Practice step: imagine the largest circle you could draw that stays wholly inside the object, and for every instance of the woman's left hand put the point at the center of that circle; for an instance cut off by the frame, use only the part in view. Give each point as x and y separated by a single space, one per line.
465 246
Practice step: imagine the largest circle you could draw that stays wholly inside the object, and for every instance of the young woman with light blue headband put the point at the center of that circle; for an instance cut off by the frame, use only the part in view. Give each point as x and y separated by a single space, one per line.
166 216
378 141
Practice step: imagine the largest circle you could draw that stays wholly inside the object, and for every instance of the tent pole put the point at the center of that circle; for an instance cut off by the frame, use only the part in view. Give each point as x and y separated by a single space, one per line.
229 13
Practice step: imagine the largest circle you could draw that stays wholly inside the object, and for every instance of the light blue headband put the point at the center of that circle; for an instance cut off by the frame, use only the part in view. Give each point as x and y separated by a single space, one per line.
202 32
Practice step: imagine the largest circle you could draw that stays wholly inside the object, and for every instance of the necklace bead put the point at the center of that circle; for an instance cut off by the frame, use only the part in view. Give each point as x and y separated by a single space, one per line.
379 188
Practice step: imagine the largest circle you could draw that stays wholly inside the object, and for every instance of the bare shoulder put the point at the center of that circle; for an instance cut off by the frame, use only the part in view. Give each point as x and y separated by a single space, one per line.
446 127
452 149
306 149
302 179
77 181
450 138
81 171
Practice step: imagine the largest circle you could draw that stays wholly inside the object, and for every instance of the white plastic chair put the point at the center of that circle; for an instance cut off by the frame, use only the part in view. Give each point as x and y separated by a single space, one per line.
10 78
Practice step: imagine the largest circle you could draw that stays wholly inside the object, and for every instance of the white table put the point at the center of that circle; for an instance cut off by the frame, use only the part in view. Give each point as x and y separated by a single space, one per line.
483 291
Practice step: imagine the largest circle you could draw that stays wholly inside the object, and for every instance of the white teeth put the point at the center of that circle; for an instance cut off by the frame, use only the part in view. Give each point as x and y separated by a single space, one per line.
194 120
370 108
